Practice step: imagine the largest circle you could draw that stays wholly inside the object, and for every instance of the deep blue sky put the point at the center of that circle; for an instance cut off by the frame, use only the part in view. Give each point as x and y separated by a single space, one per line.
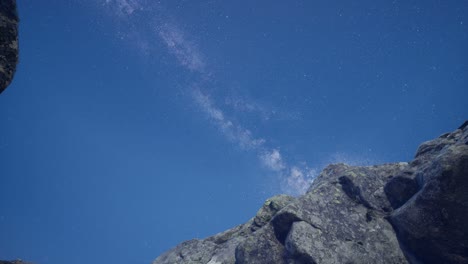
133 125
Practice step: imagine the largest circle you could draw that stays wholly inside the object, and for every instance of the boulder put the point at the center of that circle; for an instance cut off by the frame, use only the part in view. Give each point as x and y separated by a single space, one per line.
8 42
391 213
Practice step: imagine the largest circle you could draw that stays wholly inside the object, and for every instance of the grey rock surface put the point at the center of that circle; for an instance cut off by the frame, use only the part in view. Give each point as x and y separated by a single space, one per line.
223 247
8 42
392 213
433 225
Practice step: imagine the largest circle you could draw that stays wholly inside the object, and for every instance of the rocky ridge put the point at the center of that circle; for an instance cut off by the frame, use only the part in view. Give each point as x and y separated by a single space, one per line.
392 213
8 42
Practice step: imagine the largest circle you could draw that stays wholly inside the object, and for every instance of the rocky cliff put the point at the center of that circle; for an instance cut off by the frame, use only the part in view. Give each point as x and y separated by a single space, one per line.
412 212
8 42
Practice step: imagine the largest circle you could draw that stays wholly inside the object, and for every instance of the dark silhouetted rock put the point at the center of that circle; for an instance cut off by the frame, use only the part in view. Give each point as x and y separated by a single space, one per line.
8 42
392 213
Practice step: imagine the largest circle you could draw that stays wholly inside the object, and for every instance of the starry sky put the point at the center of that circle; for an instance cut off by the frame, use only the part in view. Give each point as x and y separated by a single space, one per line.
133 125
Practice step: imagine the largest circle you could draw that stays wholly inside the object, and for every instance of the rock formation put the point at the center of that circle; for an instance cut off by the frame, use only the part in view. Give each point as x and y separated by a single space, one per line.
8 42
412 212
8 54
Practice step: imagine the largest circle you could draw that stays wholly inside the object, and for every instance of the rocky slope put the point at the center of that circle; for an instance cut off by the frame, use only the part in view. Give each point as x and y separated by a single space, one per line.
412 212
8 42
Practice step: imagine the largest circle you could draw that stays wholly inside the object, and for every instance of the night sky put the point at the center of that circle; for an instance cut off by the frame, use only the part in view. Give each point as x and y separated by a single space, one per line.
133 125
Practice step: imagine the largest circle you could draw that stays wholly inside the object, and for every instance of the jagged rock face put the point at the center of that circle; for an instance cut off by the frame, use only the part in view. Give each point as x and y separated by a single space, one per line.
221 248
393 213
8 42
341 219
433 224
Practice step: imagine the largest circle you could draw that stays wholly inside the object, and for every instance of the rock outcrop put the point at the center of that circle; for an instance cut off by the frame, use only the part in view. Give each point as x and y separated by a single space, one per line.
8 42
412 212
